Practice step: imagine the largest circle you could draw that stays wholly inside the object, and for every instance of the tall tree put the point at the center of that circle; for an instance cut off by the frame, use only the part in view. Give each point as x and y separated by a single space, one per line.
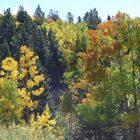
53 15
70 17
92 18
55 68
79 19
24 29
8 35
22 15
39 15
108 18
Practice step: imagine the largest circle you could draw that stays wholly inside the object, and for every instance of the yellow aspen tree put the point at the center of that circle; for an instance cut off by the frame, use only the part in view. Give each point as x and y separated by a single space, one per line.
29 84
29 79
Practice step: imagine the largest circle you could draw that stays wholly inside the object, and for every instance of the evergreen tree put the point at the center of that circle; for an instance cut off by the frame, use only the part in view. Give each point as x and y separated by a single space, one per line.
53 15
108 18
8 36
55 68
39 39
49 55
4 49
25 27
79 19
92 19
39 15
70 17
22 15
7 26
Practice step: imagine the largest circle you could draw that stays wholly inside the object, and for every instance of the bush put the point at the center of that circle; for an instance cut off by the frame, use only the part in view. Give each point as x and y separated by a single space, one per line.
8 101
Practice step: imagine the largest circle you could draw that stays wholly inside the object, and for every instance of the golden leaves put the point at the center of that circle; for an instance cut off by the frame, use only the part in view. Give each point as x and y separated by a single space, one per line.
30 84
14 74
27 59
23 49
26 75
38 91
43 120
33 71
23 73
2 73
38 79
28 53
9 64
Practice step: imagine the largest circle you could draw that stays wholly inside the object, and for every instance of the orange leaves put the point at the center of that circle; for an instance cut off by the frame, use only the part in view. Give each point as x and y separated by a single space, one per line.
93 34
80 85
102 40
103 29
89 56
107 27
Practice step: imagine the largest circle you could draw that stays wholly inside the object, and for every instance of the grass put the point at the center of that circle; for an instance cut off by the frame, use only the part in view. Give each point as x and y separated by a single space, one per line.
17 132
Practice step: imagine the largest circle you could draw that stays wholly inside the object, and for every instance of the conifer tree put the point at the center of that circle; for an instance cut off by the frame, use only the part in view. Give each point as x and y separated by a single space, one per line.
79 19
70 17
55 67
53 15
108 18
92 18
8 36
24 29
39 15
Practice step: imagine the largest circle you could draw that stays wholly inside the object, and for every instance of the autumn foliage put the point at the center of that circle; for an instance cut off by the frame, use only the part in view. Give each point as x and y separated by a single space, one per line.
80 80
29 83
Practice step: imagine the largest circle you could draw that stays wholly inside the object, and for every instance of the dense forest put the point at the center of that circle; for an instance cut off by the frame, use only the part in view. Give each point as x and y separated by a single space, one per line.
69 80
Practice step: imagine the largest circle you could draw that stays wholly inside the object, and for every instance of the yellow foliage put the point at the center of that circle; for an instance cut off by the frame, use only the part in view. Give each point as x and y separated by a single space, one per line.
25 97
9 64
38 91
14 74
43 120
30 84
38 79
22 61
22 92
26 76
27 58
33 71
31 61
2 73
24 49
29 54
23 73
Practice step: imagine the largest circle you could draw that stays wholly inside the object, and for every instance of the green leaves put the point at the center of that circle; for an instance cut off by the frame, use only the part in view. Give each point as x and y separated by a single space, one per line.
9 101
129 119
